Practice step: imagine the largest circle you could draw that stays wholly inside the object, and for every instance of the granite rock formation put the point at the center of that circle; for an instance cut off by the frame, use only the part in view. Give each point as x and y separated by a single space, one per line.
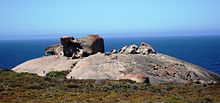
158 68
145 48
55 49
77 47
85 58
43 65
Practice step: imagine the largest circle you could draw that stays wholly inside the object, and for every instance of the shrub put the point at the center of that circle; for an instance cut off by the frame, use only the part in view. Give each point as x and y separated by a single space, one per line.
57 74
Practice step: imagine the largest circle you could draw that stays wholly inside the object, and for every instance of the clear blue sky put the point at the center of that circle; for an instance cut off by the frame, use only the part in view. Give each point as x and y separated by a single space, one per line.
39 18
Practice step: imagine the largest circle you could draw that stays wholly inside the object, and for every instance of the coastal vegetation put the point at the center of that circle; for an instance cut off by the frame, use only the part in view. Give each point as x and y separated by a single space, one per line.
54 87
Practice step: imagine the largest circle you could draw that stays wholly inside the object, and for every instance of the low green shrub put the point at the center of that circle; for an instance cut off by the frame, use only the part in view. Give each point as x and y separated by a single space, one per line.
26 87
57 74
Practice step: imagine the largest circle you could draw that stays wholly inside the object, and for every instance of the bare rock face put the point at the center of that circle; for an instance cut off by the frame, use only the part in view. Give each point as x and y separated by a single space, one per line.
77 47
43 65
158 68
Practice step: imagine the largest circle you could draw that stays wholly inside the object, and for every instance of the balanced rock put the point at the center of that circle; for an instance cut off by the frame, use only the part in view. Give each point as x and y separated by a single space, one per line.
92 44
77 47
71 46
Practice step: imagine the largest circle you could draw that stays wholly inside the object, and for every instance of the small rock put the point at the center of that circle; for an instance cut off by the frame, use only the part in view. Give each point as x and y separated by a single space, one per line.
145 49
108 53
122 50
132 49
114 51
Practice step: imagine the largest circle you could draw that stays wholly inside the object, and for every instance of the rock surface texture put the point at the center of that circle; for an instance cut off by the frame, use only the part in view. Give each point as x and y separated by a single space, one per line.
77 47
158 68
43 65
85 58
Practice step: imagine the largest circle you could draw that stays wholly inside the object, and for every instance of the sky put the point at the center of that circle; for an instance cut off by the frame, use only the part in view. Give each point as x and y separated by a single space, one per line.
109 18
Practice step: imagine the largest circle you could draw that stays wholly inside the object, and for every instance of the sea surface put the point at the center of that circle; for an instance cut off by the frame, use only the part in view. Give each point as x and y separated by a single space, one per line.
203 51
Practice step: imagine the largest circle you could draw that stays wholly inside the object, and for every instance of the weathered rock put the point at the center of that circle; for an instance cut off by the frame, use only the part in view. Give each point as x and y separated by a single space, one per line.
158 68
132 49
77 47
71 47
114 51
67 40
122 50
43 65
56 49
145 48
92 44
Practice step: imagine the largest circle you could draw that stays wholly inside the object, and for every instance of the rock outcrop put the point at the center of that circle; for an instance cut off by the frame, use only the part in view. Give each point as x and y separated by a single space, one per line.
77 47
55 49
92 44
43 65
143 49
132 49
158 68
86 59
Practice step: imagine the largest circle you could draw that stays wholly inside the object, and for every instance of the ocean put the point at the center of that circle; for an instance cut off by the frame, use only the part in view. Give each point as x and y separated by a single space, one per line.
203 51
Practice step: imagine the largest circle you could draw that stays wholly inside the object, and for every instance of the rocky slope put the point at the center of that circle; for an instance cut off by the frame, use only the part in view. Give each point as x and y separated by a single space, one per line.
85 58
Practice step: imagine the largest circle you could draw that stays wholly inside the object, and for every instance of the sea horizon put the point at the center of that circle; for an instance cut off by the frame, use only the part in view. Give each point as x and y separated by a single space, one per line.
51 37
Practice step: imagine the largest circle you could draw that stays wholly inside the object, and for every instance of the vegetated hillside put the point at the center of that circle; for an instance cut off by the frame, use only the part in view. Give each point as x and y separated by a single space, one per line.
25 87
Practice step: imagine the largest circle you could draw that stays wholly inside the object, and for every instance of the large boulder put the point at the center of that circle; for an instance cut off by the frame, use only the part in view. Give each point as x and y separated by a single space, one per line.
158 68
92 44
71 46
77 47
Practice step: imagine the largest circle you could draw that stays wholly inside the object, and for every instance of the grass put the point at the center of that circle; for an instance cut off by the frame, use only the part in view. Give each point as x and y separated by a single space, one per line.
26 87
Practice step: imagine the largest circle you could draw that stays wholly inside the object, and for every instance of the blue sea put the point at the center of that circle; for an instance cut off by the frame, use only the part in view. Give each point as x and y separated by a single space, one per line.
203 51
